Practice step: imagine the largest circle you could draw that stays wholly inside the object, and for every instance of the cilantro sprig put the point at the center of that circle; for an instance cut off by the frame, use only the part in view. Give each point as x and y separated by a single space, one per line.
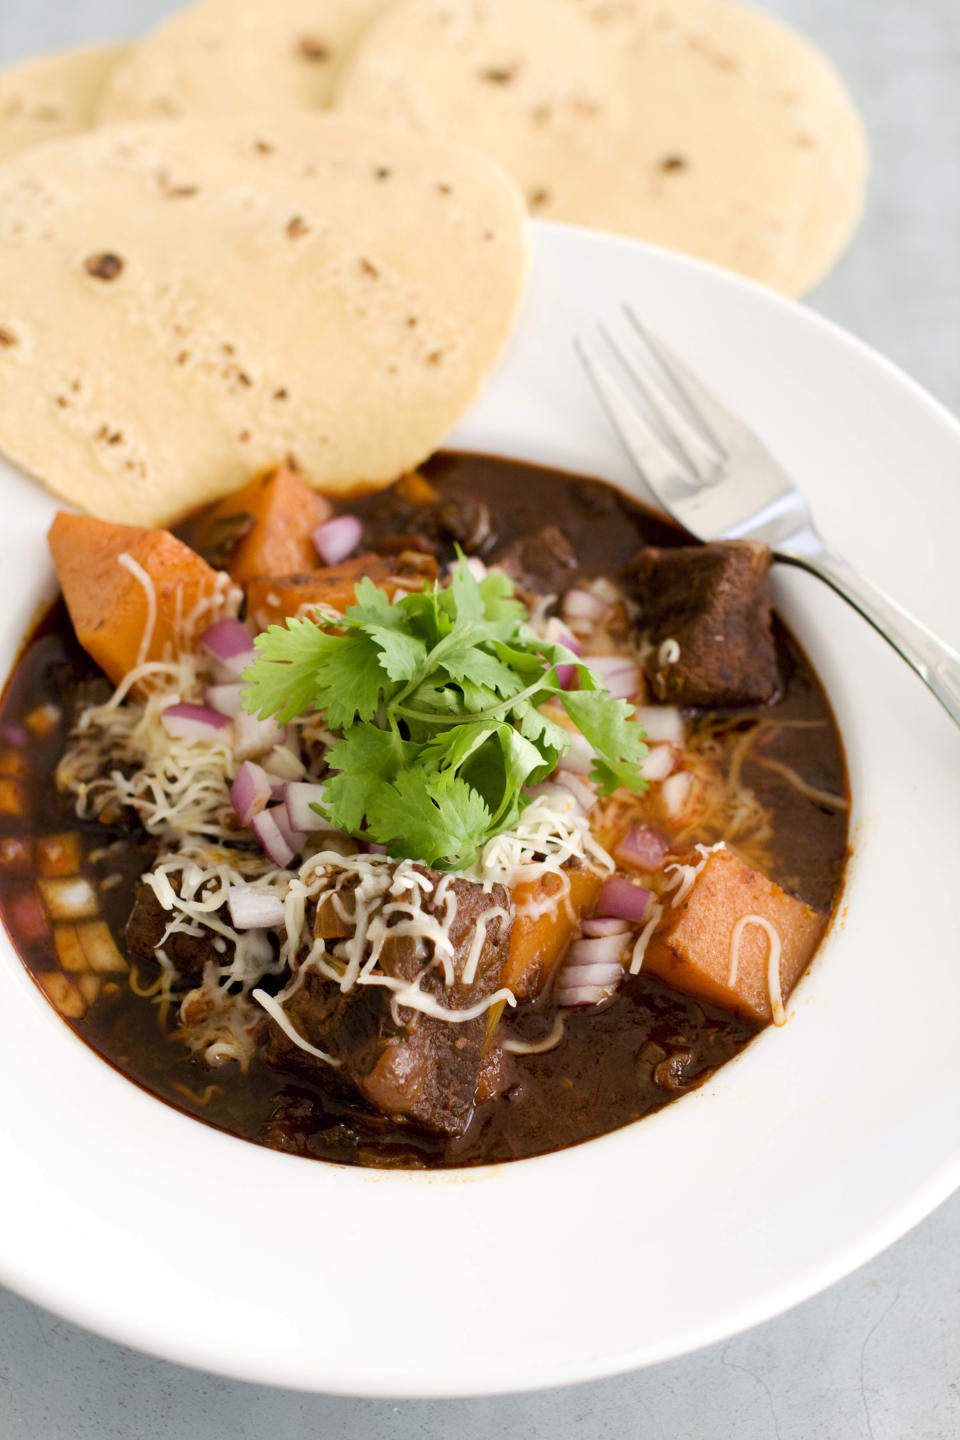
436 702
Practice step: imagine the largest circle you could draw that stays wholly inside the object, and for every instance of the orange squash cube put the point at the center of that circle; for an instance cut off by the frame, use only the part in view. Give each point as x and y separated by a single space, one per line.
547 915
108 604
271 601
736 940
282 513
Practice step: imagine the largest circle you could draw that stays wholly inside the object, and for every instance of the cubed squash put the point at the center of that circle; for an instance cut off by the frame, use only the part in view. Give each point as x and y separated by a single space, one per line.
547 915
108 604
270 601
276 515
736 940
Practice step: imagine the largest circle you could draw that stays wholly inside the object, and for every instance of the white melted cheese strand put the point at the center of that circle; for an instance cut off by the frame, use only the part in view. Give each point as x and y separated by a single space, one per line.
774 950
355 958
643 939
407 993
279 1016
549 834
538 1047
469 973
668 654
150 592
684 876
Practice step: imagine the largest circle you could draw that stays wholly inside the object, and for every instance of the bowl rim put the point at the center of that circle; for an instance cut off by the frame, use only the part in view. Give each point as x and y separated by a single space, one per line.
586 1172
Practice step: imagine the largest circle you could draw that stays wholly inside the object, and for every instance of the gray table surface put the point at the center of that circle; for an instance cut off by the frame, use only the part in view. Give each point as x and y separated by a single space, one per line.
876 1357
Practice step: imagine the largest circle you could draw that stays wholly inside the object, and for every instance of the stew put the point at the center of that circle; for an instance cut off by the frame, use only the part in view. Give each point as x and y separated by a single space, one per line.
653 933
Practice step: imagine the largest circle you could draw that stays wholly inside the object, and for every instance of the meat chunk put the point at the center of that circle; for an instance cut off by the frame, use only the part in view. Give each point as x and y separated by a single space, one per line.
713 601
410 1065
541 563
145 929
415 508
465 520
719 943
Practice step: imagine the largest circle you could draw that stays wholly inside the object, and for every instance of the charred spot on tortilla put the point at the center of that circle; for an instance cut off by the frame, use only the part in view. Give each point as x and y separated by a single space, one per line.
310 48
105 266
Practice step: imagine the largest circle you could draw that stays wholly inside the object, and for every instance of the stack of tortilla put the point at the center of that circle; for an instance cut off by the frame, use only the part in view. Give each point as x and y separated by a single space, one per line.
201 273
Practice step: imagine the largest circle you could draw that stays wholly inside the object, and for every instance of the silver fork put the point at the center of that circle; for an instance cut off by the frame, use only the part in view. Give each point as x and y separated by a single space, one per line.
712 474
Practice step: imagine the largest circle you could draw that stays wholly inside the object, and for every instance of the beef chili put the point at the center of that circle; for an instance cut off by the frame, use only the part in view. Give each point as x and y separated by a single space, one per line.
201 891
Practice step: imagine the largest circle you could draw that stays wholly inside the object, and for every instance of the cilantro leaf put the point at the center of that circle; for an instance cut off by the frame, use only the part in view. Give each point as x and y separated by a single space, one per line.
282 680
447 750
373 607
437 701
616 737
365 759
349 680
441 824
543 731
401 656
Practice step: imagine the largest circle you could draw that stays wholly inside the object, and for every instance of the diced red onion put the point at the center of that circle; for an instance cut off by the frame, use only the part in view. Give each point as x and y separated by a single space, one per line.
622 899
566 675
617 673
596 950
581 605
227 699
256 737
592 970
14 734
560 634
253 909
581 998
295 838
659 762
194 722
264 826
661 722
228 642
605 974
581 790
676 792
250 791
299 797
284 764
624 684
556 793
367 847
642 848
337 538
595 927
473 563
578 757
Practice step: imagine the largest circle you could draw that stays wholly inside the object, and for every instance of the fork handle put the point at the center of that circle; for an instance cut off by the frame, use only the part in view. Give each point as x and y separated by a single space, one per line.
937 664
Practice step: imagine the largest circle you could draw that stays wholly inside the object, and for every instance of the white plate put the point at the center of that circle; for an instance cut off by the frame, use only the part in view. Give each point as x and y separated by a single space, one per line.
821 1144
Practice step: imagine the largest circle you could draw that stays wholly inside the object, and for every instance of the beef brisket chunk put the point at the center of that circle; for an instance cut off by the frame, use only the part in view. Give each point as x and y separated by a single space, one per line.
144 932
434 526
411 1066
541 563
714 602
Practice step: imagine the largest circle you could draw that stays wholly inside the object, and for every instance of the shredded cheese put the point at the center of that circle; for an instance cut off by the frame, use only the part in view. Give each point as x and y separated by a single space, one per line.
469 973
774 950
538 1047
281 1018
150 594
643 939
550 833
683 877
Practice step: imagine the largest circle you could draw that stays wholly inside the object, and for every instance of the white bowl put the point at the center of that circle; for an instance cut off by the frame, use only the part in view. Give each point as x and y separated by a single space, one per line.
822 1143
